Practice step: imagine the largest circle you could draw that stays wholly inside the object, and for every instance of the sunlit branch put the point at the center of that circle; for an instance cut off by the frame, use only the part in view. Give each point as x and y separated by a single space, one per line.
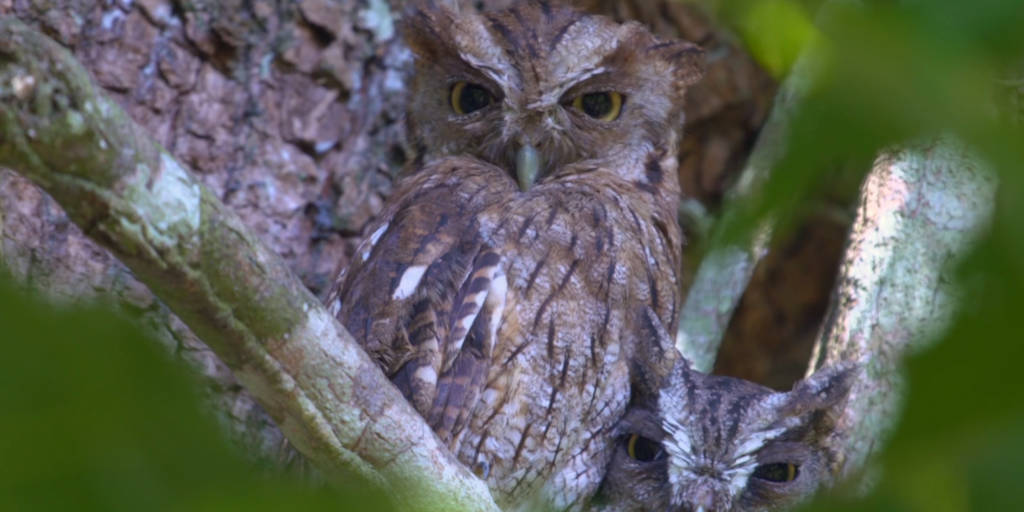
921 209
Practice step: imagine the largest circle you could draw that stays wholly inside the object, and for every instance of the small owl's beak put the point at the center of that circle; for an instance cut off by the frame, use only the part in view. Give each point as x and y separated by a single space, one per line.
527 166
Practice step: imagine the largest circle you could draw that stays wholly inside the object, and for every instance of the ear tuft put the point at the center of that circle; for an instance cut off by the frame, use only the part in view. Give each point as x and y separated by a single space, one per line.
686 59
418 27
662 340
656 354
827 388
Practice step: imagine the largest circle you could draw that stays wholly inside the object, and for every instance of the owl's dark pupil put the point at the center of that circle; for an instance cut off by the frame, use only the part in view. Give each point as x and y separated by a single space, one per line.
647 450
644 450
473 98
777 472
597 104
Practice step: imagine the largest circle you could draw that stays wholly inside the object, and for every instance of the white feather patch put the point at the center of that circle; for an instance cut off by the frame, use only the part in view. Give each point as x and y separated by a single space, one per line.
426 374
738 480
334 307
757 440
467 321
496 299
366 247
409 281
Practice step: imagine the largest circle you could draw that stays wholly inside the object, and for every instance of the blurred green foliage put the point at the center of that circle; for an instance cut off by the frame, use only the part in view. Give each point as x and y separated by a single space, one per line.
889 73
894 73
95 416
776 32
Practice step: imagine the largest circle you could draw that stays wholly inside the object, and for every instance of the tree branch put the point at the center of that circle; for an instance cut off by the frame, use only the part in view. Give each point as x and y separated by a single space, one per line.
921 209
123 190
726 270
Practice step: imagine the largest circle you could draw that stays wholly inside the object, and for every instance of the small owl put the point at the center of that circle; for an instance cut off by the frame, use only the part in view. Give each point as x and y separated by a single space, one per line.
713 443
499 286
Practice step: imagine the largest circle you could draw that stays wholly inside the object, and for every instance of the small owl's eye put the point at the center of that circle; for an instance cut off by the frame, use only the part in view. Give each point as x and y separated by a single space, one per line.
642 449
603 106
467 98
777 472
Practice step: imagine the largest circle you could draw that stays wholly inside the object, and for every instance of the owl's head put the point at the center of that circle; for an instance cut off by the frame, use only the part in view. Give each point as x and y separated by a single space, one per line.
715 443
544 89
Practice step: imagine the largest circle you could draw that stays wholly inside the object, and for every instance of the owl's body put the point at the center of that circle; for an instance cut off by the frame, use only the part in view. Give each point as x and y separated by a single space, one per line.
712 443
504 303
530 397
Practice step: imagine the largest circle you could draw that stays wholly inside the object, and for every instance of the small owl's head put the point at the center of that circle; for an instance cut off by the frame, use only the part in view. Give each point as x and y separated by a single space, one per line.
714 443
544 89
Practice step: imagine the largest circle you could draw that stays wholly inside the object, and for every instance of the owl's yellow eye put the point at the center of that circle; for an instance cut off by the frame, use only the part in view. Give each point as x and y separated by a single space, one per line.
467 98
642 449
777 472
603 106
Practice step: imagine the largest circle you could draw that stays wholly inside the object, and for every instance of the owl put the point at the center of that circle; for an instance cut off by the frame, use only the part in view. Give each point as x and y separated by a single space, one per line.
498 288
713 443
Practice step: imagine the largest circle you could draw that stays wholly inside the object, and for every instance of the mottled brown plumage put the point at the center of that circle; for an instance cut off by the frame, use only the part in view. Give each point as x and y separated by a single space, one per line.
507 311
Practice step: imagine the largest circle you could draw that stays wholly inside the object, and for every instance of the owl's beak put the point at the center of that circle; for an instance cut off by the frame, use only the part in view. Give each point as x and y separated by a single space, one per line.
527 166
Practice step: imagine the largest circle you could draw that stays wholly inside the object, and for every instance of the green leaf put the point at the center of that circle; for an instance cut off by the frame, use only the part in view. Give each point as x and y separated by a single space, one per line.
94 415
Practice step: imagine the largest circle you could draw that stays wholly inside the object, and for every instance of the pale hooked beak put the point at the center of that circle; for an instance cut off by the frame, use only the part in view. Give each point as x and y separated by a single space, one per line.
527 166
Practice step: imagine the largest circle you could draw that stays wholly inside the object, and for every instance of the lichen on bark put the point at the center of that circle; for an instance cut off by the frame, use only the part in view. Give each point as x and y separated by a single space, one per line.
922 208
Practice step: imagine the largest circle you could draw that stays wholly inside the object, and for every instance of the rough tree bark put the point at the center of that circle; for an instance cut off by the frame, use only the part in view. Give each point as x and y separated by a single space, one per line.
123 190
285 112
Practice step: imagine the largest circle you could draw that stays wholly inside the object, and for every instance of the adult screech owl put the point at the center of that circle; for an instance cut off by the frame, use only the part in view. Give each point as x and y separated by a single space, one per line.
499 287
713 444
